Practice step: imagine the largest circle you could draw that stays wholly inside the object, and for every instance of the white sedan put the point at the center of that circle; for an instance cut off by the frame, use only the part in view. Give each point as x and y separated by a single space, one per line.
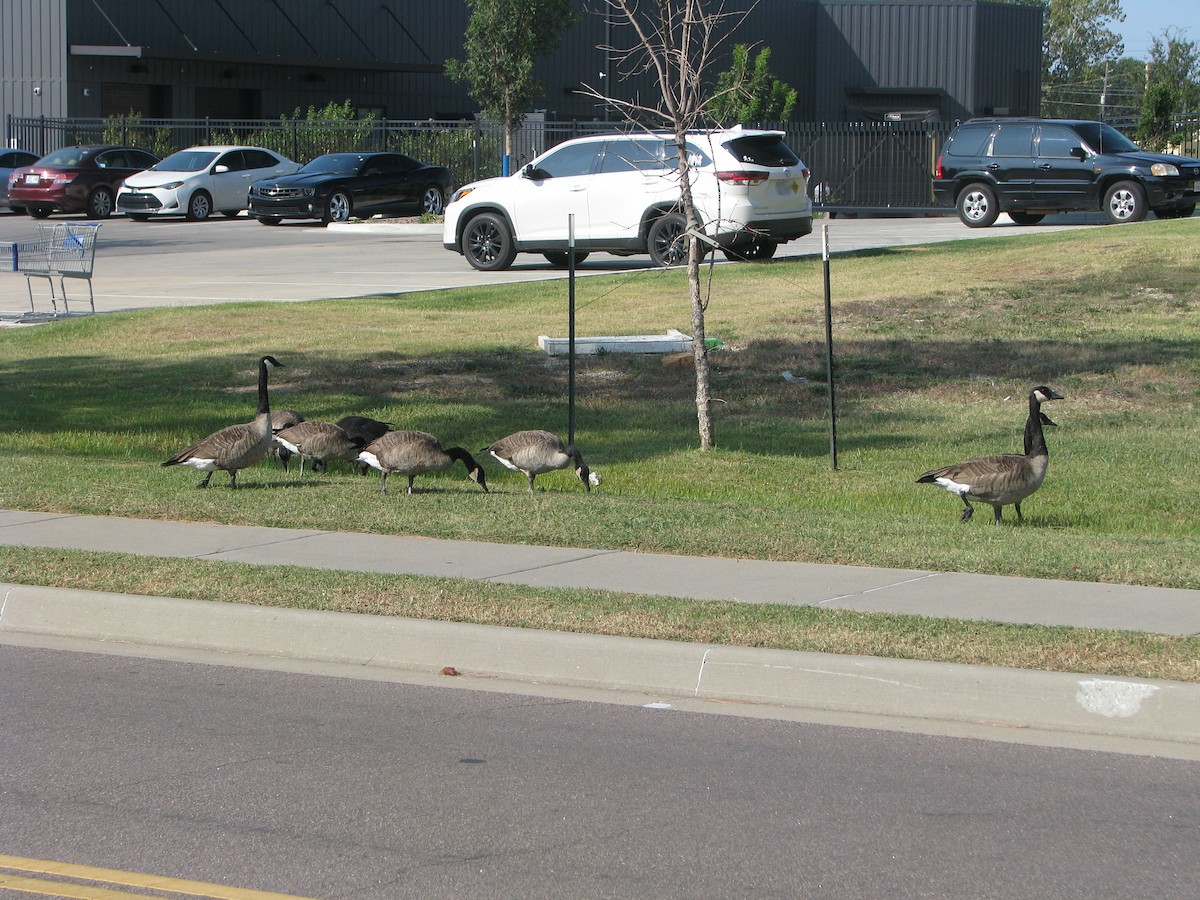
200 181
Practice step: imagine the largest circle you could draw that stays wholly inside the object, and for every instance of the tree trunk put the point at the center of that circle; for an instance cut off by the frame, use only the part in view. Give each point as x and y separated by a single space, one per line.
708 437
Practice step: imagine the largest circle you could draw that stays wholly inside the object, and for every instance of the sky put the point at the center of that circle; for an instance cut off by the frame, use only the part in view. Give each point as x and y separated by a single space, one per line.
1146 20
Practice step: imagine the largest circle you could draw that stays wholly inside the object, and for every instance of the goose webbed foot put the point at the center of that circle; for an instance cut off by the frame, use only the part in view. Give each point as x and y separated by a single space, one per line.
968 511
204 482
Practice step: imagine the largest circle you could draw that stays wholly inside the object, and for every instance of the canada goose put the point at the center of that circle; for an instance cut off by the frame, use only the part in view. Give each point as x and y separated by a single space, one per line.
318 441
366 430
414 453
535 452
1001 480
235 446
281 419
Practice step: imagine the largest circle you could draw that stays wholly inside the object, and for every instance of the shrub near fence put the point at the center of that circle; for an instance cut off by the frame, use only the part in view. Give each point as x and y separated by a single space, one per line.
856 166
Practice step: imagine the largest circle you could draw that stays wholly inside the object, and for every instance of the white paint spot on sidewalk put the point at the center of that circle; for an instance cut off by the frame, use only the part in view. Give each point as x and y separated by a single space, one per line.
1113 699
656 706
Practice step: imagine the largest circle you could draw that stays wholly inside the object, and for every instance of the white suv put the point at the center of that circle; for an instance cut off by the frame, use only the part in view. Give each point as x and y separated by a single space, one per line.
751 192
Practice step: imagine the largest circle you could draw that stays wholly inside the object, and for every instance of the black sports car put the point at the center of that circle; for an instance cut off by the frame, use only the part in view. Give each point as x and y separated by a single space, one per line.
336 186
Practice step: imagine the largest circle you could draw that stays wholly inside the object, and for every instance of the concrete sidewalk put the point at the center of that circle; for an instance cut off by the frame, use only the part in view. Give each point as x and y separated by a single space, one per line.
924 696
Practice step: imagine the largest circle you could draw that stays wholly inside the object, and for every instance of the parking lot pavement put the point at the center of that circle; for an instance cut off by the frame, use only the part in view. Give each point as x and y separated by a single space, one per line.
171 263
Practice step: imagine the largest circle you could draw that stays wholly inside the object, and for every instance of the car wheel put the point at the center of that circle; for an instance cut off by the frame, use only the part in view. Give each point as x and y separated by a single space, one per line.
138 217
231 213
757 250
433 201
199 207
39 212
1025 218
99 203
558 258
269 220
17 210
977 206
487 243
337 208
666 243
1125 201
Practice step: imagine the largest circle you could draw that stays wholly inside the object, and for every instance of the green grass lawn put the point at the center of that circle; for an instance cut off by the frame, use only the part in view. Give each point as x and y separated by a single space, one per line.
937 347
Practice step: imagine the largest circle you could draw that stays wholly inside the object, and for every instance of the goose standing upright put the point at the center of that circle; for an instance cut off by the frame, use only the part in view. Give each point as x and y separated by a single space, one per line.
533 452
319 442
1006 479
414 453
236 446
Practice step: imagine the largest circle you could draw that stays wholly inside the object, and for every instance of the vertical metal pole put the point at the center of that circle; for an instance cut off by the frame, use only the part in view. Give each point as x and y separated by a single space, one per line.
829 350
571 329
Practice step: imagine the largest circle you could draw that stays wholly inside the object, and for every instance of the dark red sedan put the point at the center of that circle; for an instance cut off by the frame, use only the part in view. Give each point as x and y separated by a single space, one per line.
76 180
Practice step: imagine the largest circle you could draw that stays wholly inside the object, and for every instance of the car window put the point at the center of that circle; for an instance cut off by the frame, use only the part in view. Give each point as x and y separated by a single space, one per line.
1013 140
1056 142
1104 138
187 161
233 160
762 150
632 155
139 159
388 164
573 159
969 140
259 159
68 156
113 159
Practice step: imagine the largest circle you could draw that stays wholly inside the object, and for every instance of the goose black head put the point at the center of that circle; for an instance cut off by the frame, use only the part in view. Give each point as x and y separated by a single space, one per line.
1041 394
269 360
476 475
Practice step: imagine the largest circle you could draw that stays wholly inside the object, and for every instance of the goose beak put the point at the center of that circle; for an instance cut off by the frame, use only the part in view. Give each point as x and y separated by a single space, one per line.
478 477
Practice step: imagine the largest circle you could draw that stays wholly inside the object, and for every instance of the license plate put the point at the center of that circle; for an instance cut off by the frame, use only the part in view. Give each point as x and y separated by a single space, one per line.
32 179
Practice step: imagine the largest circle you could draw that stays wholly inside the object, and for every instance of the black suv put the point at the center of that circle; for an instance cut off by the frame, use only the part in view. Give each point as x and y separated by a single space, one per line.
1030 168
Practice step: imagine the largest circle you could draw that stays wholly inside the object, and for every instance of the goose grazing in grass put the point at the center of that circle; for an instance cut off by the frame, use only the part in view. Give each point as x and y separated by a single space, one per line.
534 452
365 429
1006 479
281 419
236 446
414 453
319 442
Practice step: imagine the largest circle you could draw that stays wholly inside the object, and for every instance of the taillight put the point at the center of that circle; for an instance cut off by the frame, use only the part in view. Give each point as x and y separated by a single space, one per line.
65 177
937 172
741 177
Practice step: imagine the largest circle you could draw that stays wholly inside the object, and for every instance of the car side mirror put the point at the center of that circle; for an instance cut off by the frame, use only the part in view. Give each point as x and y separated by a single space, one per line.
1079 153
220 170
534 174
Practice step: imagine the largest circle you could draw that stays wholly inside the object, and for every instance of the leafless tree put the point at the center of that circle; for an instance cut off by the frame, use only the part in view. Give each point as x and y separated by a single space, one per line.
675 43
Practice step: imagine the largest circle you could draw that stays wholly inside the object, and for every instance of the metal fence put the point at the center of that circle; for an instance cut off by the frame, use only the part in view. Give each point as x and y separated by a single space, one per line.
856 166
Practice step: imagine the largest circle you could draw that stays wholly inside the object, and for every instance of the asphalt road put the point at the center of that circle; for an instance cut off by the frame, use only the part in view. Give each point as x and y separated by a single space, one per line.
171 262
335 788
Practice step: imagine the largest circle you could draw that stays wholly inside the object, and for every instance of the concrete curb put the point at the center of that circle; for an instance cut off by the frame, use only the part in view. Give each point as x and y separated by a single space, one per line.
983 696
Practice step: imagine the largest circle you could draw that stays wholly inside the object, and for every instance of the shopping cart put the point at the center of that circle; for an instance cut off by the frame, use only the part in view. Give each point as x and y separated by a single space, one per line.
60 251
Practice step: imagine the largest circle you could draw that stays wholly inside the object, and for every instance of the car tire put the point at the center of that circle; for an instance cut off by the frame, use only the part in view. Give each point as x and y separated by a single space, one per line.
269 220
231 213
199 207
433 201
558 258
17 210
99 204
1177 212
138 217
666 242
487 243
1124 202
976 205
39 212
759 250
1025 218
337 208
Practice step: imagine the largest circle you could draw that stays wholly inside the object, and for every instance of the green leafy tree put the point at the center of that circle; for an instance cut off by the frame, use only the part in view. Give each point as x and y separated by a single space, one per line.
1076 41
1172 88
748 92
504 37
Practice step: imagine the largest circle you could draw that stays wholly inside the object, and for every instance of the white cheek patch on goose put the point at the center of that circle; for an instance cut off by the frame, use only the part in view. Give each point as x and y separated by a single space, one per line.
953 486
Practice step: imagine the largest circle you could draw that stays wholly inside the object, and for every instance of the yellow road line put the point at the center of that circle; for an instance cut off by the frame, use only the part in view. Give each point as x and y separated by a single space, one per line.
117 877
60 889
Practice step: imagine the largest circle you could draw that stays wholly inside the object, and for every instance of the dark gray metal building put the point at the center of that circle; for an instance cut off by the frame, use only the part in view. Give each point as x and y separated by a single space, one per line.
849 60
